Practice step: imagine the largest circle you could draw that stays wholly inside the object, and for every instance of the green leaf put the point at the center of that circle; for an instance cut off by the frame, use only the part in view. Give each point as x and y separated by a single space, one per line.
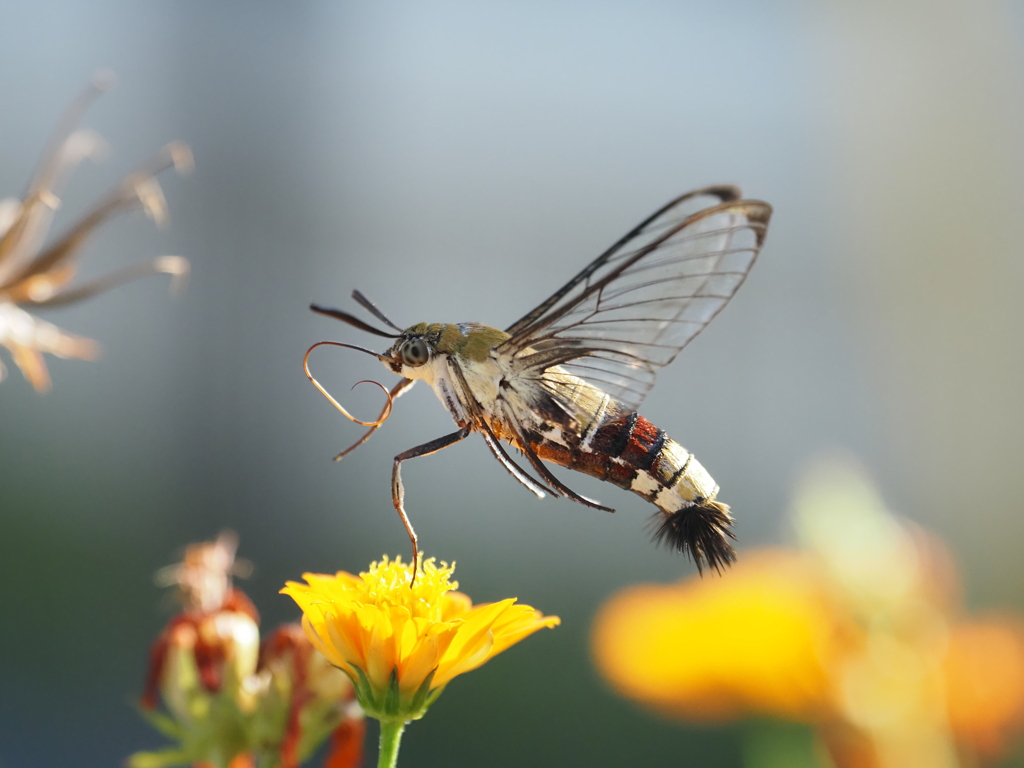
166 724
364 692
159 759
420 697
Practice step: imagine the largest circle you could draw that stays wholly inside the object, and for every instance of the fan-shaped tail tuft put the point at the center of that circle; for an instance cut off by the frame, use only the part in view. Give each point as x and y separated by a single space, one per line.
701 531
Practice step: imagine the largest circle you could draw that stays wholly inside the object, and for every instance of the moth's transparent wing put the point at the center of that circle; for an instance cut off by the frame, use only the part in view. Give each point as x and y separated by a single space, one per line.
637 305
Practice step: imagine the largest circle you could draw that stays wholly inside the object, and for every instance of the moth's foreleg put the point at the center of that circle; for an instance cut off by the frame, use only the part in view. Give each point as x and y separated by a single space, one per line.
398 490
399 389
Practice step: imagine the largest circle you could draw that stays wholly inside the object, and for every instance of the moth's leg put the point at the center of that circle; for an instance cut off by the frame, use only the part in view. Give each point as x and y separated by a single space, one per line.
477 412
546 474
513 469
550 478
398 490
400 389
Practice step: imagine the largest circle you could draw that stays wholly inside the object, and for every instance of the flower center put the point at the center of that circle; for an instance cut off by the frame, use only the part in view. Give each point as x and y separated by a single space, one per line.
387 584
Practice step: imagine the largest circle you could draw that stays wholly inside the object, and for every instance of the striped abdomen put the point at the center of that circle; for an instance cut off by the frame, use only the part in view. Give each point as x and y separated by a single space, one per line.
632 453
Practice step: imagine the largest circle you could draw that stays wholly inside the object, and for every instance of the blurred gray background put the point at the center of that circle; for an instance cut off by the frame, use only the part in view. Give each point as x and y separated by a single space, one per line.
459 161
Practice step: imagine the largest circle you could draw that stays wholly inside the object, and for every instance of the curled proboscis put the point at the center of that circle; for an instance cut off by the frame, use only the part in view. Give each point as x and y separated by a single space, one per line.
387 409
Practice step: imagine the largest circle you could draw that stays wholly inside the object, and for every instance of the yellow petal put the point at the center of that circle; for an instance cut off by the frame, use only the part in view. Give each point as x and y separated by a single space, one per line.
477 624
473 655
422 659
455 604
379 658
518 622
326 648
758 640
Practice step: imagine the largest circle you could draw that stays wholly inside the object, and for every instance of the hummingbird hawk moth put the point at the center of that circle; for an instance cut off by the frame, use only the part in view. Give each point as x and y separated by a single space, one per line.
563 383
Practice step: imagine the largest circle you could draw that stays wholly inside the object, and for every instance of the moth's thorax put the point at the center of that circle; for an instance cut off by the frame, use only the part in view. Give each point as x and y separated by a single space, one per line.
471 346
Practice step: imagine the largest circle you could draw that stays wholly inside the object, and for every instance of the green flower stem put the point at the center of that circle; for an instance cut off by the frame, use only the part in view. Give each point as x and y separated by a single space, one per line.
390 737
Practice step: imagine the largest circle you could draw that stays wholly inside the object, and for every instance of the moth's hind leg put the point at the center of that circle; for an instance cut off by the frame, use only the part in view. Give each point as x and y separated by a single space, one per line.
554 482
398 490
699 530
526 442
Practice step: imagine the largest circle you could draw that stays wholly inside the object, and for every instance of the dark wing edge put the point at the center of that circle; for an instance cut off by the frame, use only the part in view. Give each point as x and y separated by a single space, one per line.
631 310
724 193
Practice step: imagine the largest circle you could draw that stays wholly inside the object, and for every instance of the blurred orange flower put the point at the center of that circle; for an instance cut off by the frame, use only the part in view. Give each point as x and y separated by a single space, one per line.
306 692
229 699
37 277
216 633
238 761
761 640
857 633
984 674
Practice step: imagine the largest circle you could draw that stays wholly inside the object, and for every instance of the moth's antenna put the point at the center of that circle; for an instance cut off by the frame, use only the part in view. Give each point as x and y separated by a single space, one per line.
372 308
345 317
387 410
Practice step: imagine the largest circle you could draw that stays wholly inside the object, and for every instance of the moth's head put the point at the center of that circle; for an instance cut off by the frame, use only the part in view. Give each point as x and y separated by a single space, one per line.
414 348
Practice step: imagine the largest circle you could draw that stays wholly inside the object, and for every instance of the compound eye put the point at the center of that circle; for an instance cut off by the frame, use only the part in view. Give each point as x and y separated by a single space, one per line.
415 353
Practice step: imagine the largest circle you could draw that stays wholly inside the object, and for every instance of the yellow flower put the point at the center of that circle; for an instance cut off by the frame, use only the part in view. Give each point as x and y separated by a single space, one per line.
35 276
402 645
